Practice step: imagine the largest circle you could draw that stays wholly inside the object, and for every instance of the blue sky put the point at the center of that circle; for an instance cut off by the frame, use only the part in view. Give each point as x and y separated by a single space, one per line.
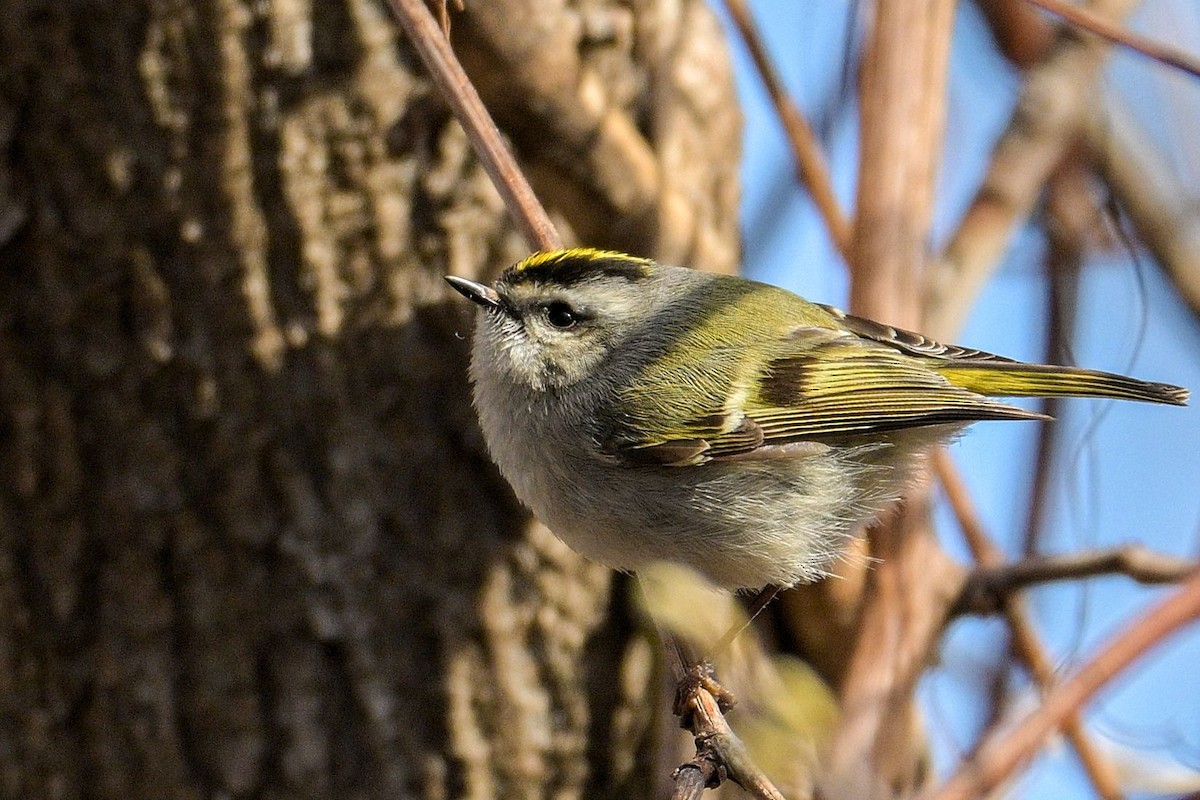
1129 472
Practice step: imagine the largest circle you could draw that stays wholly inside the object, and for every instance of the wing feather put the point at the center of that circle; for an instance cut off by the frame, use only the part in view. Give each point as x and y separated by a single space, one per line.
818 384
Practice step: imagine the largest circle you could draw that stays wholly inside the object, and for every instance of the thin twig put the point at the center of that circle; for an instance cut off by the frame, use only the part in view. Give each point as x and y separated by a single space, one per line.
811 167
439 59
988 588
692 778
1090 21
1003 751
1025 641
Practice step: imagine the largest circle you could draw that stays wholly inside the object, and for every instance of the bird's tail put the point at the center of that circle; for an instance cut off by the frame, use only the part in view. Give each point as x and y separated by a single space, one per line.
1016 379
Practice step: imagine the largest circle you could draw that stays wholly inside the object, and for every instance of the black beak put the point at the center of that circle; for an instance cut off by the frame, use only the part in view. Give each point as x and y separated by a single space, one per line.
475 292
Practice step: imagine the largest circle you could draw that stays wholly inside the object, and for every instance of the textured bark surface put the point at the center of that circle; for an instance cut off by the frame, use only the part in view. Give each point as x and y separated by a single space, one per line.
250 542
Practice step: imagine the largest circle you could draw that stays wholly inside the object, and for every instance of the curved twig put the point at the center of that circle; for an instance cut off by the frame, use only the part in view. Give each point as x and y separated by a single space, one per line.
720 754
811 167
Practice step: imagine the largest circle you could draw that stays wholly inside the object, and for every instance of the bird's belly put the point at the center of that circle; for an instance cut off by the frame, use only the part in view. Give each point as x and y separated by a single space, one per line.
743 525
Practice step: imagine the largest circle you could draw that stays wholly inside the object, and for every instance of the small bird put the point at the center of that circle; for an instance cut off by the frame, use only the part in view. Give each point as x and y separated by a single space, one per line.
647 412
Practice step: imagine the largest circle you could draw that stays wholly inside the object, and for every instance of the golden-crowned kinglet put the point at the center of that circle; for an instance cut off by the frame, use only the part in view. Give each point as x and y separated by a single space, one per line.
647 412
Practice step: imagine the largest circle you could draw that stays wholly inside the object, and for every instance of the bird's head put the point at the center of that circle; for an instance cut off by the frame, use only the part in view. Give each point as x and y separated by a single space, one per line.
551 319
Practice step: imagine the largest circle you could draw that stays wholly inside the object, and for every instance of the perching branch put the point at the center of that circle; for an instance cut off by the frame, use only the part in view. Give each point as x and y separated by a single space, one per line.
1004 751
720 754
987 589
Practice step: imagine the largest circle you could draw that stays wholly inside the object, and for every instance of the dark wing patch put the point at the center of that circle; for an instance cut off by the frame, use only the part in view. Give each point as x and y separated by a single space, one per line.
865 390
823 384
745 438
910 342
785 380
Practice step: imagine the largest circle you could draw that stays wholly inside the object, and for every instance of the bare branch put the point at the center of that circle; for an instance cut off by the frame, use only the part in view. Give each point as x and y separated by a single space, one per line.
1082 17
1025 642
987 589
811 167
1003 751
901 92
426 35
1052 108
692 778
720 754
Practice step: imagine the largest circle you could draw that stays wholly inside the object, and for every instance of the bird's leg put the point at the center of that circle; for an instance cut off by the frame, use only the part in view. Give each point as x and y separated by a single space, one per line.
761 600
692 674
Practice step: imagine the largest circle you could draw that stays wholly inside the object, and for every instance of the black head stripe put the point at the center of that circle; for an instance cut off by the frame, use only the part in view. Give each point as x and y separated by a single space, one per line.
571 267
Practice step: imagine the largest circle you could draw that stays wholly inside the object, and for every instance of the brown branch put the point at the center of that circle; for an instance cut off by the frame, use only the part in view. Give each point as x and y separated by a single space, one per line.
1003 751
897 143
720 754
439 59
1025 641
988 588
1082 17
1052 108
811 167
901 90
692 778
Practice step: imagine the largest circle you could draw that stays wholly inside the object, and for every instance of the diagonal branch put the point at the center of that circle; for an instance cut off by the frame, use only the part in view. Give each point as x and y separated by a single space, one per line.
700 703
1025 642
426 36
1004 751
1090 21
811 167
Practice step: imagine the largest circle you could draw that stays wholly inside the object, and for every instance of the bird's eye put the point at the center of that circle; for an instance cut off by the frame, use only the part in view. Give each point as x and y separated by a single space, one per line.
561 315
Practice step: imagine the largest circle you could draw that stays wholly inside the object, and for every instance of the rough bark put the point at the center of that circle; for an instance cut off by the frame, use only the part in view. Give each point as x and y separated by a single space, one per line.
250 542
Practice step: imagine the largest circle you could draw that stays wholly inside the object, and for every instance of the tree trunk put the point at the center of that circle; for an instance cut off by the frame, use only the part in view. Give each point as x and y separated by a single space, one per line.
251 544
